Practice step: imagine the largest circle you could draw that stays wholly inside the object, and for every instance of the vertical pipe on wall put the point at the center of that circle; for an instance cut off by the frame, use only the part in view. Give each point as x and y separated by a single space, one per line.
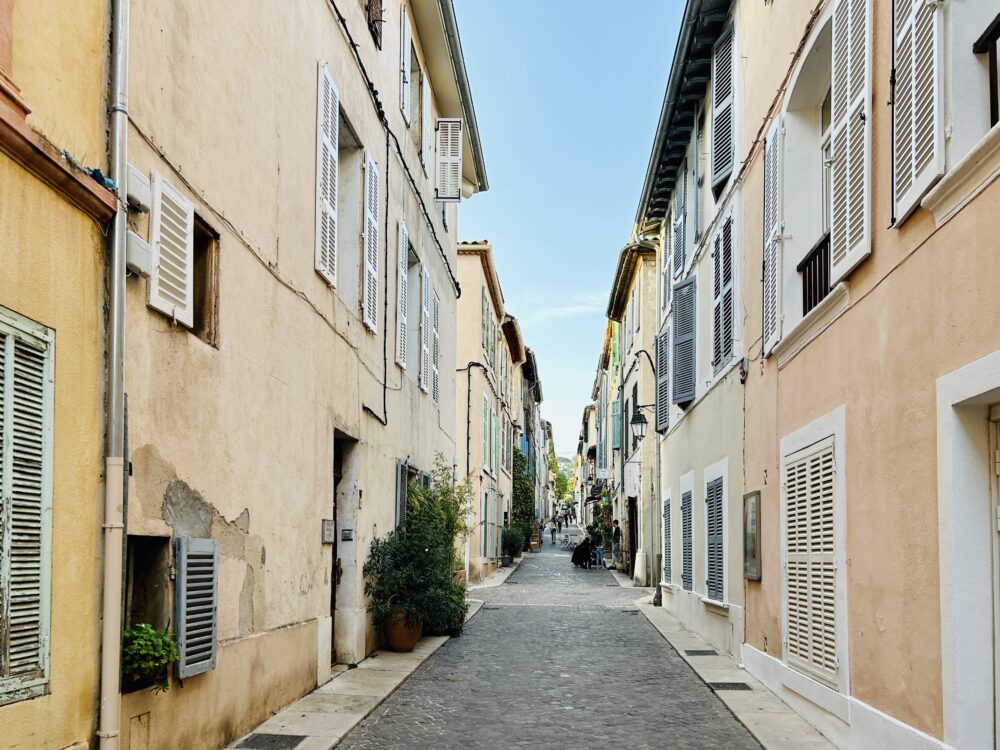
114 474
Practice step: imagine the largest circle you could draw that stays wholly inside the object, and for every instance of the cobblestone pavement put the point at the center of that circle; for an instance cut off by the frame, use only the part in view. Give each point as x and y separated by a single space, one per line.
558 656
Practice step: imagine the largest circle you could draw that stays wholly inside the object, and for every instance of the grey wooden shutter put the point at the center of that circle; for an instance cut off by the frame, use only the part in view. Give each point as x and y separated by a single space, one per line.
722 305
616 424
327 166
667 543
171 237
687 570
448 175
196 599
685 329
663 380
715 540
696 181
371 230
723 147
403 269
680 221
772 236
25 505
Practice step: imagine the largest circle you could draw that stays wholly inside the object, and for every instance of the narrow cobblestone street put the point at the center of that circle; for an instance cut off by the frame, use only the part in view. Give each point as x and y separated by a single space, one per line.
558 656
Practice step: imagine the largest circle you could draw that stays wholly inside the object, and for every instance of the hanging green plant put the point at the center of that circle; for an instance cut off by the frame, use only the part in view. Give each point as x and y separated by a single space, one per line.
147 654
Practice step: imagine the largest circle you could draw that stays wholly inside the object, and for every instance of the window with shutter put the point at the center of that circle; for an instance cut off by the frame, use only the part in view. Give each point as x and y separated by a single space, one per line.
26 373
436 350
425 328
667 542
918 147
772 237
616 424
851 137
696 178
425 122
687 556
723 146
196 591
486 434
370 290
448 174
810 561
401 292
722 305
171 239
715 540
680 221
666 277
685 330
485 314
327 167
402 492
405 47
663 380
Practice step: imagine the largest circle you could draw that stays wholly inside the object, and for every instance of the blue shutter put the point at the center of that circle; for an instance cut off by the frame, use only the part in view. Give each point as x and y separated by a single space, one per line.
663 380
714 529
685 328
197 586
616 424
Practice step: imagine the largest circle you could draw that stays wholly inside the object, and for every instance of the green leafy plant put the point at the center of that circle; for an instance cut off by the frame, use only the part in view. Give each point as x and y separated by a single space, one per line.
512 541
146 655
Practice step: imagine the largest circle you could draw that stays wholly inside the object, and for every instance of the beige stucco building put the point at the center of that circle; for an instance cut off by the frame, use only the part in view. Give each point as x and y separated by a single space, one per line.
52 222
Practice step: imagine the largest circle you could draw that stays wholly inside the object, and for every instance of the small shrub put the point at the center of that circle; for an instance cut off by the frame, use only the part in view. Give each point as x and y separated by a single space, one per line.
146 655
512 541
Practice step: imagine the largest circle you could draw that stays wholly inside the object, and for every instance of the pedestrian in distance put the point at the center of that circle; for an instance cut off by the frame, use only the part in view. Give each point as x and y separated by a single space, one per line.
552 531
616 540
559 523
597 539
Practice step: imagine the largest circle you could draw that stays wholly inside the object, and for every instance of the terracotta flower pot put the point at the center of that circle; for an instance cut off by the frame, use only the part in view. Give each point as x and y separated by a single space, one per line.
400 636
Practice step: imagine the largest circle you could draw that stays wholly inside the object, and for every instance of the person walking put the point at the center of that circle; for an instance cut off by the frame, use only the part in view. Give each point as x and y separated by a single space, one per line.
552 531
616 541
597 539
559 523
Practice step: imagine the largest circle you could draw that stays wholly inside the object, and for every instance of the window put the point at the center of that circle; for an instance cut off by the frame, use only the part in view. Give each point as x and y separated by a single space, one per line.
373 14
436 349
406 61
206 282
665 268
425 328
616 424
448 175
723 145
171 234
635 410
486 434
687 558
989 45
667 541
370 281
402 287
680 221
26 402
723 309
715 546
196 597
349 198
426 126
684 345
663 380
327 168
772 236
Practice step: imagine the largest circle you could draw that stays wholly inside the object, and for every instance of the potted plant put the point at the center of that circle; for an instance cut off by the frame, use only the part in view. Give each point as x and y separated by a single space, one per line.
393 585
511 542
147 654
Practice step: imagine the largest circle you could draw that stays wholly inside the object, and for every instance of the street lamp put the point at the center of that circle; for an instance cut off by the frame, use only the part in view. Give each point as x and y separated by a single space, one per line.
639 425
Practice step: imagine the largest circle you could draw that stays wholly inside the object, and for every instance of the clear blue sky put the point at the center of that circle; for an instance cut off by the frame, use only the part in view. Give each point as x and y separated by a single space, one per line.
567 95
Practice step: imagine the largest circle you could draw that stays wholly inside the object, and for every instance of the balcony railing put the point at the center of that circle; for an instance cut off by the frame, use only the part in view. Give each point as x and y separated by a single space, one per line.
815 270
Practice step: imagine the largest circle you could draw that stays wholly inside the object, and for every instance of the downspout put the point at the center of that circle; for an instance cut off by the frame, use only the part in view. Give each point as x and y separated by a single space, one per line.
114 475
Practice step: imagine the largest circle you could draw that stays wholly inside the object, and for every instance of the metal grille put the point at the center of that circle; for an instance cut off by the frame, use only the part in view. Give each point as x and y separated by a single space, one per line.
815 270
717 686
701 652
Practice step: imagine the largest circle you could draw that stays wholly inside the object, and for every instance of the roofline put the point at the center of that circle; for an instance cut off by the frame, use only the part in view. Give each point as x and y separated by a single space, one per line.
514 338
485 252
464 89
628 261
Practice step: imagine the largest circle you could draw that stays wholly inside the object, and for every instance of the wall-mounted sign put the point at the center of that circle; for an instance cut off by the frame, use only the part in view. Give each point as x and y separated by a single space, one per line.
751 536
329 531
347 535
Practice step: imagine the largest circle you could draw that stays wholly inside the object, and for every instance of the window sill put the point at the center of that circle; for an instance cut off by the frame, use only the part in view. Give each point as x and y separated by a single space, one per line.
13 694
719 608
812 325
970 177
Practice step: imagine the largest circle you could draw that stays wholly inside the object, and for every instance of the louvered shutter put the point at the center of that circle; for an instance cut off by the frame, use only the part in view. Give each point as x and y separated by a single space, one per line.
723 147
667 543
696 183
715 548
722 287
448 175
327 165
484 314
616 424
370 291
197 583
851 139
171 233
425 328
402 492
401 294
772 236
666 275
680 223
918 106
810 562
436 350
426 118
486 433
496 443
687 556
25 503
405 34
663 380
685 329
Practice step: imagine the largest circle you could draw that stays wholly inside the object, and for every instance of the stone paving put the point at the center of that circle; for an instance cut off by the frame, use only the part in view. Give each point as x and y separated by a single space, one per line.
557 656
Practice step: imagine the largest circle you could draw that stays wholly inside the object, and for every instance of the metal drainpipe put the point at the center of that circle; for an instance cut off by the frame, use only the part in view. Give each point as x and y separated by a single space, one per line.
114 461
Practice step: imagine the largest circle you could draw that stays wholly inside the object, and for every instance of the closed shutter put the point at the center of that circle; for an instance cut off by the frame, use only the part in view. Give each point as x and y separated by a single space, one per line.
666 277
436 349
448 175
602 455
667 543
370 297
685 297
714 533
486 433
687 570
616 424
171 233
327 166
405 47
495 452
723 147
402 492
425 328
918 107
25 507
722 305
696 182
851 139
426 118
772 236
197 583
680 221
663 380
401 292
810 567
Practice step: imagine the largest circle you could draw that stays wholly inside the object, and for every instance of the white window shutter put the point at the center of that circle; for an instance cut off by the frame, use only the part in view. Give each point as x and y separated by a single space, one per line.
918 109
723 145
680 221
436 349
448 175
425 327
851 231
401 295
196 591
773 223
171 235
370 290
327 166
426 118
666 275
405 47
